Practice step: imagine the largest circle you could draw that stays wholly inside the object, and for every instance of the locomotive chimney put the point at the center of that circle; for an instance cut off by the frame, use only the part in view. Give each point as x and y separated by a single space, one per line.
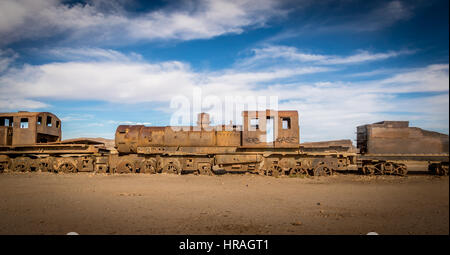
203 120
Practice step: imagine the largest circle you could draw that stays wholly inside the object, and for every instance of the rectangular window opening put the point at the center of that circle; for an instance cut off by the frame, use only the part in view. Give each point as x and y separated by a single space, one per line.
254 123
49 121
6 121
57 124
24 123
286 123
39 120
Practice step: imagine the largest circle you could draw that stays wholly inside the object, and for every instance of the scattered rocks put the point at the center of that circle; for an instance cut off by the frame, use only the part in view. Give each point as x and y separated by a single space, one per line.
130 194
297 223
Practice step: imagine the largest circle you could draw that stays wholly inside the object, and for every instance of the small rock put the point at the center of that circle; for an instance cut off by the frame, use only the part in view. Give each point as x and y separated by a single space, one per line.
297 223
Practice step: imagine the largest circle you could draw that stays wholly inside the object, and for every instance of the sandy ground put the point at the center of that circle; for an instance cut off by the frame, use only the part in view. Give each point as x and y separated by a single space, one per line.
44 203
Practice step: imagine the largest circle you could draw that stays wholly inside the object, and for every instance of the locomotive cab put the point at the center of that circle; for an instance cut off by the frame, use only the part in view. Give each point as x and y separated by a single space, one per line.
25 128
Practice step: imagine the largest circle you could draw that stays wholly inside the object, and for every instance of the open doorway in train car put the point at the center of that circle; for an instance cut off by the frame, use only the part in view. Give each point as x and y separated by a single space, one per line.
270 129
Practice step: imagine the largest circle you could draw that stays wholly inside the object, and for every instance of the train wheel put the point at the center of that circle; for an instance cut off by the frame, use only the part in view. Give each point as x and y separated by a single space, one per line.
274 170
205 169
444 169
401 170
300 171
20 165
368 169
45 166
389 168
148 167
67 166
441 169
126 167
379 168
322 170
171 168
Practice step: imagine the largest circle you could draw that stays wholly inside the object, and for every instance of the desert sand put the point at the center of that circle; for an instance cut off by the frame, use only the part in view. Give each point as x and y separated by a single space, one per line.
87 203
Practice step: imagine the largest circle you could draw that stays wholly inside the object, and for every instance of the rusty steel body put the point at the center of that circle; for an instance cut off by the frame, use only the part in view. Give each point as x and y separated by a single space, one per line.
386 146
31 141
205 149
266 143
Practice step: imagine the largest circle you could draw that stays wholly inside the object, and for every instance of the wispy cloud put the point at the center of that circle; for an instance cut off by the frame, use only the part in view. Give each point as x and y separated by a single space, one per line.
77 117
268 54
10 102
32 19
7 57
383 15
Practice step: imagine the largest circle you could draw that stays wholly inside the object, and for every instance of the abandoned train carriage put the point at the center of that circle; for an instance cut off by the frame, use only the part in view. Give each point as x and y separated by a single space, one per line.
29 128
31 141
385 148
267 143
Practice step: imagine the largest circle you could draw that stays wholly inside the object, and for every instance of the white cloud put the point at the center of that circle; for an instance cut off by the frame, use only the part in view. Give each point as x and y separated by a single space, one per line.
76 117
90 54
327 109
383 16
271 52
31 19
11 103
6 58
114 122
114 79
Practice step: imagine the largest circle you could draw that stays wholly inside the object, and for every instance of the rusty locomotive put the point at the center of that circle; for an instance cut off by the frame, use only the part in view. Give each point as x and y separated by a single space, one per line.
267 143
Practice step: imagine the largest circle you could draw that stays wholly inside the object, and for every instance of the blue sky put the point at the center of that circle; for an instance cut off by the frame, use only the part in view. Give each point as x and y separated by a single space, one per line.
98 64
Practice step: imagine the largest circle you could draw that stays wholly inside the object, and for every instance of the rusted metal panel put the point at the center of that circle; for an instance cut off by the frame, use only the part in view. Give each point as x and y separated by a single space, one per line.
391 137
237 159
285 134
181 150
270 129
228 138
31 127
329 146
6 135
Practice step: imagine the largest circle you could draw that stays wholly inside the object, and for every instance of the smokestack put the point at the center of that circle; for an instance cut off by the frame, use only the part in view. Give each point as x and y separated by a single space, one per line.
203 120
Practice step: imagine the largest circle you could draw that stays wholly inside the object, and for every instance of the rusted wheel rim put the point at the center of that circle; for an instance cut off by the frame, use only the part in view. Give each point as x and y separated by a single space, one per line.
67 168
401 170
389 168
368 169
301 171
171 168
20 167
379 168
125 167
44 166
149 168
275 171
322 170
444 170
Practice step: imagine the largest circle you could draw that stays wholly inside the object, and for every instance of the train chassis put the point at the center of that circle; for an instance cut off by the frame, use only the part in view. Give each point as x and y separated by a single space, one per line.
274 165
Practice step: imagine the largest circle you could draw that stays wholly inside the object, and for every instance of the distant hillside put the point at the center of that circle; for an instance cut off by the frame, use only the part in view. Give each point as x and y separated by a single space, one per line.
109 143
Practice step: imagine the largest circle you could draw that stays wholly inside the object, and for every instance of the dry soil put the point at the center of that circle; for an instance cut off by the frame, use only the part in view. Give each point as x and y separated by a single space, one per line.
44 203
